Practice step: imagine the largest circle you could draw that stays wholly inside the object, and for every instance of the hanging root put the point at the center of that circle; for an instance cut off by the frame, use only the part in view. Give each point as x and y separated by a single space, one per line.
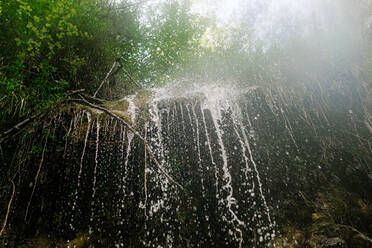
8 211
147 147
36 177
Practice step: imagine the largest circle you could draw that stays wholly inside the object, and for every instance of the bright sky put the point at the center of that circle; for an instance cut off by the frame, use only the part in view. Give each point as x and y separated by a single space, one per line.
272 13
226 9
223 9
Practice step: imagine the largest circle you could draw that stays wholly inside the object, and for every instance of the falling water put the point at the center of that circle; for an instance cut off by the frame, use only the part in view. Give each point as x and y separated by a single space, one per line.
215 107
80 170
131 107
130 136
202 166
247 145
191 139
96 160
210 151
95 174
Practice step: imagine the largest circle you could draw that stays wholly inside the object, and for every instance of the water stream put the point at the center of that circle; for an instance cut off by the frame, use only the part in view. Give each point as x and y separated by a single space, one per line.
230 150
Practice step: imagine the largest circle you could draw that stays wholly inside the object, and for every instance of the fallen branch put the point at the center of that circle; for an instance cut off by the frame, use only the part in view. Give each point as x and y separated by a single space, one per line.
8 210
75 92
147 147
95 99
16 128
103 81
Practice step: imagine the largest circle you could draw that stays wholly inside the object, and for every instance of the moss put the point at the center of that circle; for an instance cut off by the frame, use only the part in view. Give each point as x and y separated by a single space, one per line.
290 238
121 105
39 242
80 241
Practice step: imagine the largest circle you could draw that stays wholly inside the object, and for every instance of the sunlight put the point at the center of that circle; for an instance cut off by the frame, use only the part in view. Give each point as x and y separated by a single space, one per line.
229 10
221 9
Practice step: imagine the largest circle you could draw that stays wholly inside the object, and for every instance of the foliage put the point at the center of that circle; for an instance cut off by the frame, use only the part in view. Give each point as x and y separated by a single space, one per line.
170 41
49 47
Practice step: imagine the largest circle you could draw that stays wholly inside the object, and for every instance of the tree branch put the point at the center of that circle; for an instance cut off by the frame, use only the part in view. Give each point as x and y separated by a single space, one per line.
103 81
129 76
147 147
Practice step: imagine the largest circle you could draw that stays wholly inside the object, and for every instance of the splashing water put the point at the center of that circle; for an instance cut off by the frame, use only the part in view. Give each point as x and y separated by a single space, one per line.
190 133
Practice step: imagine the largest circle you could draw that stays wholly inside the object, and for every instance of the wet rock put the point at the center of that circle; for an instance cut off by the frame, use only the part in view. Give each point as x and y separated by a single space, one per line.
291 238
324 242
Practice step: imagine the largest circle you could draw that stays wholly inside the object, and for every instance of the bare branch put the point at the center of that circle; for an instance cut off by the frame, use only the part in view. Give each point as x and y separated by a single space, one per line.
147 147
103 81
130 77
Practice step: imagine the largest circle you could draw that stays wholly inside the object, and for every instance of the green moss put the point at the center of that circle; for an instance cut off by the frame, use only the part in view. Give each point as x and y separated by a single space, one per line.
80 241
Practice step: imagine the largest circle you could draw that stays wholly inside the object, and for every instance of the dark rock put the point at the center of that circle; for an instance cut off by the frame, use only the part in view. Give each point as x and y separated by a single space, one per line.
324 242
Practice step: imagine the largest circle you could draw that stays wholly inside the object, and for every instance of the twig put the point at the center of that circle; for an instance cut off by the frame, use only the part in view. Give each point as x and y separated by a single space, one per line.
307 202
130 77
8 211
152 156
75 92
103 81
95 99
362 235
17 127
37 176
368 126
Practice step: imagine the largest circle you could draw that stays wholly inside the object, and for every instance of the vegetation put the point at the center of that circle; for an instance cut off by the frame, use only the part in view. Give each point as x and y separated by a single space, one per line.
51 47
49 50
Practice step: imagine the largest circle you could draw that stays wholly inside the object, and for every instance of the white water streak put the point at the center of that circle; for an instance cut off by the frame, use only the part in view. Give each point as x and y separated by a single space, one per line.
215 108
96 160
245 138
94 176
131 108
80 169
130 137
210 150
246 160
158 148
183 118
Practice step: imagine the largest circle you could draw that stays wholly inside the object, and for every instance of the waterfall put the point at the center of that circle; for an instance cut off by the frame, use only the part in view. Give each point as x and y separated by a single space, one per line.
204 165
80 171
222 145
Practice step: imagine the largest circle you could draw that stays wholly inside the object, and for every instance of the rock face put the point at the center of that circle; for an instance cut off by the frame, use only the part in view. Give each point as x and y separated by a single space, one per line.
324 242
253 168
